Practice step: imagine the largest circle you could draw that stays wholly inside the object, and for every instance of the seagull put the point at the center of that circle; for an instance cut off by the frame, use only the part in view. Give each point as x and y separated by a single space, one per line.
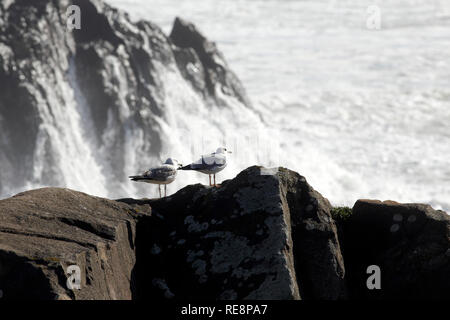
163 174
210 164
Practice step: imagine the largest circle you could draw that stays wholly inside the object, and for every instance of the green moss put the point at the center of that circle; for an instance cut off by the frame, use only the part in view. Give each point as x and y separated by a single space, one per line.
341 213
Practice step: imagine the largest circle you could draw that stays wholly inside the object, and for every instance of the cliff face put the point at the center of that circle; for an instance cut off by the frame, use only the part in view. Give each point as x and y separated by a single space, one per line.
265 234
106 91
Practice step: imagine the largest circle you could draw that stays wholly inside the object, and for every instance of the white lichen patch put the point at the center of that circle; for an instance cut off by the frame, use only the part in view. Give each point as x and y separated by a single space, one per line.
159 216
192 255
195 226
199 194
228 295
263 196
394 228
162 285
155 250
199 266
229 252
232 251
188 219
6 52
203 278
313 225
215 234
241 273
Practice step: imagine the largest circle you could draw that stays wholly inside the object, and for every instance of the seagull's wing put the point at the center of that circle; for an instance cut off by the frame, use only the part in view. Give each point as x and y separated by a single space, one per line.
161 173
207 162
214 159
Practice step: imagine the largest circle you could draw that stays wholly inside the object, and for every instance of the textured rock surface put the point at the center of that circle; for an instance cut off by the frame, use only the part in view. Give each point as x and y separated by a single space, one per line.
121 78
196 53
409 242
44 231
263 235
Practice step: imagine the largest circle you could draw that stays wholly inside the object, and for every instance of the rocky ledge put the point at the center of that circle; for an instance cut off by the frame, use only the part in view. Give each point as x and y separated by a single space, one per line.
266 234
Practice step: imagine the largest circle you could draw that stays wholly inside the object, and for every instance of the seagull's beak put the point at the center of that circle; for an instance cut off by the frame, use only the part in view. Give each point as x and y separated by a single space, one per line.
229 151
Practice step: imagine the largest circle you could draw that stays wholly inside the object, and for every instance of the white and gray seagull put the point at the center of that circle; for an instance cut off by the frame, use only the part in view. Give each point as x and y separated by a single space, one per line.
210 164
163 174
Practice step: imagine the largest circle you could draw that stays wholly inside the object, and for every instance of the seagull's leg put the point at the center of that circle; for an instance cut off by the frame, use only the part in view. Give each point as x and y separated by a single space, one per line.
209 179
165 190
215 180
159 188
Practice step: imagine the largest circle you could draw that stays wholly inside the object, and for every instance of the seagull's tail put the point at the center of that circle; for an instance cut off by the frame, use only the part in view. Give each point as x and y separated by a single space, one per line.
136 178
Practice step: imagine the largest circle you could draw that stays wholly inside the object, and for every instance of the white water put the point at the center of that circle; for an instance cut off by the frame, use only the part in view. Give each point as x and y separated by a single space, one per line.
361 113
62 135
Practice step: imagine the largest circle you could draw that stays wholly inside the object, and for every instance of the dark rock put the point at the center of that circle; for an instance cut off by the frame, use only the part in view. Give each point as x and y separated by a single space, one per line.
216 74
319 262
44 231
410 244
263 235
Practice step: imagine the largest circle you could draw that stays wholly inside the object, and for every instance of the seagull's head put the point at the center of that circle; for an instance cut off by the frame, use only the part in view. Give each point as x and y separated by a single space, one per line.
173 162
222 150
